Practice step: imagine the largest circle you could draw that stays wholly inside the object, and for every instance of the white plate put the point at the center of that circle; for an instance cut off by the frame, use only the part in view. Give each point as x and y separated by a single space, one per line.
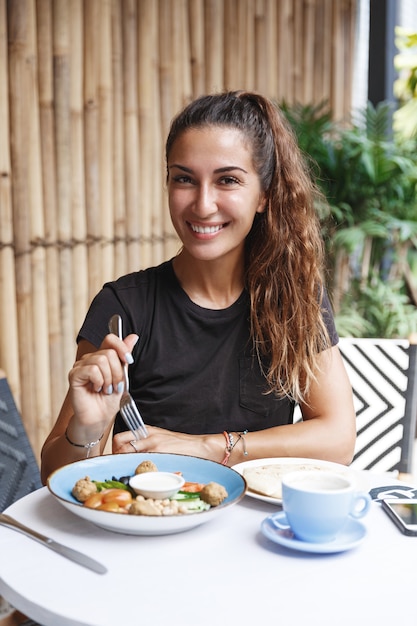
349 537
194 469
289 462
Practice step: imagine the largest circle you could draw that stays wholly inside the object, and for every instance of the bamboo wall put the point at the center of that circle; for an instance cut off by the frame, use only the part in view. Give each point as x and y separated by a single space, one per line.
87 91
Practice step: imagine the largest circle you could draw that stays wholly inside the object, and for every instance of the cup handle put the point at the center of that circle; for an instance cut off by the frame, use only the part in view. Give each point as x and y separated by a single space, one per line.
361 505
280 521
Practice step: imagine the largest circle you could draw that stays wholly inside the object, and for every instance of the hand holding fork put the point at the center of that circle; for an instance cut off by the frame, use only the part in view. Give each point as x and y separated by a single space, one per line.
128 409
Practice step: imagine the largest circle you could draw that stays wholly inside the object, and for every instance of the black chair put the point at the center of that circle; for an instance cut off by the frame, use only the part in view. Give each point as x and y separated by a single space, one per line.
19 471
383 375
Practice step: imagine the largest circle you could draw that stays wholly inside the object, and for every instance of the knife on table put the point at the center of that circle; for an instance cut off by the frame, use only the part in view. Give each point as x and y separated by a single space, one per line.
69 553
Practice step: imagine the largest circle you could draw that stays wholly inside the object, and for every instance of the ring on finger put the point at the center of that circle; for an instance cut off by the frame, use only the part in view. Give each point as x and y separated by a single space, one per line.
132 443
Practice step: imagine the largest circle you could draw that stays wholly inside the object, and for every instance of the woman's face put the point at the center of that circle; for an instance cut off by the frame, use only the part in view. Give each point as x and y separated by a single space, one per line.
214 191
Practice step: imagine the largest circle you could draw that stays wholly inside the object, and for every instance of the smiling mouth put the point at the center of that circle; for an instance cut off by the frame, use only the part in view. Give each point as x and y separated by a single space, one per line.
206 230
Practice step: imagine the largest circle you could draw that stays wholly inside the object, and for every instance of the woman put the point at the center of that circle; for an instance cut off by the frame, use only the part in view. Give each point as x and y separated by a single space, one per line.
227 336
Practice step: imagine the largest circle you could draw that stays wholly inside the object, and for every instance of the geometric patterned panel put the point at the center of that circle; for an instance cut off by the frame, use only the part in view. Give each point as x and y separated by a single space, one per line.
378 371
19 471
383 374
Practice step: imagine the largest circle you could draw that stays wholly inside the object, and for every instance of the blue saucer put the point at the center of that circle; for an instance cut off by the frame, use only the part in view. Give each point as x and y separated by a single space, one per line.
349 537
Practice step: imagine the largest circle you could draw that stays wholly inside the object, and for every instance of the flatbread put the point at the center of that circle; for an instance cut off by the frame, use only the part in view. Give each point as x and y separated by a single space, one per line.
266 479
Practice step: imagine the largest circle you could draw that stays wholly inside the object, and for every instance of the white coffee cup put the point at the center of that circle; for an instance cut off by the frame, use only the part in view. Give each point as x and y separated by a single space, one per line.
317 504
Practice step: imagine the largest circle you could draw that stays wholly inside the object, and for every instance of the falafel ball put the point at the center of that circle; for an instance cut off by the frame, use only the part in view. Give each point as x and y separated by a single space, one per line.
146 466
213 494
83 489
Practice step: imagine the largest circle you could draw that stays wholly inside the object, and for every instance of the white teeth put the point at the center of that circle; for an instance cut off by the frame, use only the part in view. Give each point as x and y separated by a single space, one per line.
205 230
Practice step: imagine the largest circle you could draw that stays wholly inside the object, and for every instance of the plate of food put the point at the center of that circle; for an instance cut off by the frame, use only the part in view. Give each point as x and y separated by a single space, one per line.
263 476
99 490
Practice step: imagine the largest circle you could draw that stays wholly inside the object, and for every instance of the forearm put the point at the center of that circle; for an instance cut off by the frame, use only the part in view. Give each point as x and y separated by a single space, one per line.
314 438
72 444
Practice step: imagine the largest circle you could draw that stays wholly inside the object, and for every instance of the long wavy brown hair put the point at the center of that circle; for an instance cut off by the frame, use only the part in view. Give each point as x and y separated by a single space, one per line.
284 254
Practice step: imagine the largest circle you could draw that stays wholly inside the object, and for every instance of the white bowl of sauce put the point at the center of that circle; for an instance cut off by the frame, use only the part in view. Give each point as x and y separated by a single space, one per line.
156 485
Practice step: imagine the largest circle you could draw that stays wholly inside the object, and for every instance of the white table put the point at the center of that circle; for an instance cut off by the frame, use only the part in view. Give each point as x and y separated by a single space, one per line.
224 572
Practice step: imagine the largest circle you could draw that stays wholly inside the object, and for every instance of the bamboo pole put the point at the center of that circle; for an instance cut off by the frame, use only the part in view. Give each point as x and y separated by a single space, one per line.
181 55
80 270
297 42
286 51
28 221
19 131
151 163
62 74
106 140
233 50
317 62
91 142
249 77
213 21
309 42
271 10
196 21
166 96
260 47
22 60
131 139
178 54
45 62
41 383
9 347
337 76
165 65
324 78
118 166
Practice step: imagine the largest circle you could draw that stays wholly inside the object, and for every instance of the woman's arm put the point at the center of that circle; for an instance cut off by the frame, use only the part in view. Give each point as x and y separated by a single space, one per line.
328 429
92 401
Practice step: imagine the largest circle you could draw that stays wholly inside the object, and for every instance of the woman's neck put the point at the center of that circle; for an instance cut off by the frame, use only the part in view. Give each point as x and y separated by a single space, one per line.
210 284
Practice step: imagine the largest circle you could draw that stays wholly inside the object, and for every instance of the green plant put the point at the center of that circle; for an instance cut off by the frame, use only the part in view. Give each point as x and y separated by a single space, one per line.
380 309
370 183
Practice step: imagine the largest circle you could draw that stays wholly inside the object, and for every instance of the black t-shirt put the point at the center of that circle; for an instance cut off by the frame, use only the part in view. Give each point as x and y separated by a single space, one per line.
194 370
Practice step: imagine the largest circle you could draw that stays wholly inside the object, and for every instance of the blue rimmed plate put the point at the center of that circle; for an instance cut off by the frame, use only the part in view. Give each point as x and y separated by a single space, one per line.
194 469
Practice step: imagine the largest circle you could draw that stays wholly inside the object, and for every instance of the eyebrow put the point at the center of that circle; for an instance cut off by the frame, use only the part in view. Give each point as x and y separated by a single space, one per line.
219 170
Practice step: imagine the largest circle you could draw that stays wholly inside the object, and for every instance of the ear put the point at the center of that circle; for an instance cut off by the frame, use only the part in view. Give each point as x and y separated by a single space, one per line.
262 204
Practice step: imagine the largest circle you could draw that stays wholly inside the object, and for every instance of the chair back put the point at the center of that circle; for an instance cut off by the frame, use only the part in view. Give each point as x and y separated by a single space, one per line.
19 471
383 375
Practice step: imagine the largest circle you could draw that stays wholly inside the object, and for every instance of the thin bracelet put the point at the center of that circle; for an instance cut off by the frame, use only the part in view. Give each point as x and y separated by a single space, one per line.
88 446
242 437
229 446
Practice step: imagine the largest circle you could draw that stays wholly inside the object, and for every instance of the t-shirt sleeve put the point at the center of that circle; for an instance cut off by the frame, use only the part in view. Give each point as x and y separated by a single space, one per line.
96 323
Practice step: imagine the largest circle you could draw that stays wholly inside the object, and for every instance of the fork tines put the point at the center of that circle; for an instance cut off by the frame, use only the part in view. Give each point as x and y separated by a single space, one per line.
133 419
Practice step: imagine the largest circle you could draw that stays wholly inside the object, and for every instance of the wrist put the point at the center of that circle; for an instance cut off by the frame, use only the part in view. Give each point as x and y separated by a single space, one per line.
213 447
84 438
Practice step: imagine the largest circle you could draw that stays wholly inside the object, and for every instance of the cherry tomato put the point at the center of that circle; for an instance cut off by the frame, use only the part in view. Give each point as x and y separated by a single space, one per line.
192 487
121 496
111 506
94 501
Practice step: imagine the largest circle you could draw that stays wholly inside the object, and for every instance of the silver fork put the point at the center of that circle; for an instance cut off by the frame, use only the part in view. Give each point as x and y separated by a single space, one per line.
128 409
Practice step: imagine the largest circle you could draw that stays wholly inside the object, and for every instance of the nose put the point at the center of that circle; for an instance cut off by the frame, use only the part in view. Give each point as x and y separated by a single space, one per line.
205 201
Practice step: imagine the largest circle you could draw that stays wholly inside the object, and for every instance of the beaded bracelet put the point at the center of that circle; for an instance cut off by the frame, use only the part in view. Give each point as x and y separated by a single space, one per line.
230 443
88 446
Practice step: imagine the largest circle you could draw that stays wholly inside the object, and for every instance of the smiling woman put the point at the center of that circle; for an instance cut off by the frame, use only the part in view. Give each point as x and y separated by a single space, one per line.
214 194
223 339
